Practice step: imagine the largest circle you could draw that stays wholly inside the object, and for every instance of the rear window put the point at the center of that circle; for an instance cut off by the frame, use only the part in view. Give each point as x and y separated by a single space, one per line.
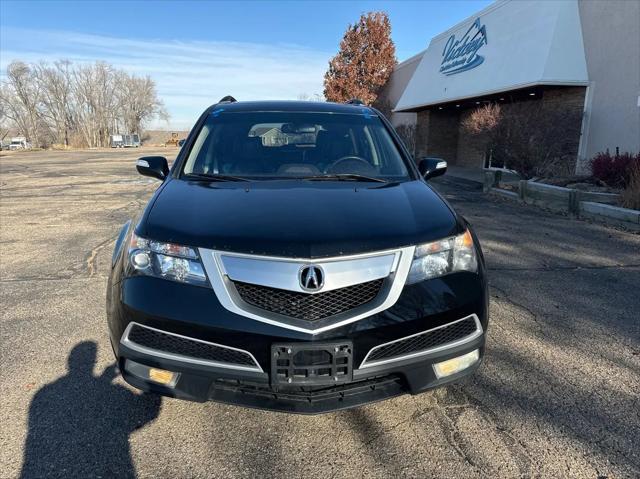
286 144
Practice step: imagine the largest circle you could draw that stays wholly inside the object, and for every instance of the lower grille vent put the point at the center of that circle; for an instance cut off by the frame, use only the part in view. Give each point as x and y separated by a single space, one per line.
424 341
182 346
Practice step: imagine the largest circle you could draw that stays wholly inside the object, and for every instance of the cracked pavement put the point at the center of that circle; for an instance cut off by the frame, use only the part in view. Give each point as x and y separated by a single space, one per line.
558 394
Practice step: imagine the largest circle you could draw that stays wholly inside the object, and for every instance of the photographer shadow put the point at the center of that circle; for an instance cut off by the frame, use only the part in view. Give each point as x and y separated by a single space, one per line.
79 425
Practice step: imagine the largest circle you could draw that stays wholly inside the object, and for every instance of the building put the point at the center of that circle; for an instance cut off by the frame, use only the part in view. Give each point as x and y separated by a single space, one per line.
581 55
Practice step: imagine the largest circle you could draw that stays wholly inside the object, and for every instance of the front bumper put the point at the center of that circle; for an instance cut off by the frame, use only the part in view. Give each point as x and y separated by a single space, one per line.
248 385
195 312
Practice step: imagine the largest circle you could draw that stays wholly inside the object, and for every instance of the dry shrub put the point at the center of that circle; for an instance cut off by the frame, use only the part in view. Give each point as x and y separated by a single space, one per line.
407 133
483 119
614 170
532 138
631 194
60 146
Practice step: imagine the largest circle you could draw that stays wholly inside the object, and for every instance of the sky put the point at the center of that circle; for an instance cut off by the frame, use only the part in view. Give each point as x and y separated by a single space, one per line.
198 52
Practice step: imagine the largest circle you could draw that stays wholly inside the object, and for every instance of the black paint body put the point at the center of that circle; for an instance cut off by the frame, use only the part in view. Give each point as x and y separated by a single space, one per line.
292 219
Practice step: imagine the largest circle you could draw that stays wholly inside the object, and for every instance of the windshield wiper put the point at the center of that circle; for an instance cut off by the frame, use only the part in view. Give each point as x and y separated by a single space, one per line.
207 177
344 177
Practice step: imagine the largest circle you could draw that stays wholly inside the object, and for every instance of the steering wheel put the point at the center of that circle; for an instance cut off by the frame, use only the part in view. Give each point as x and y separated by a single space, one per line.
350 164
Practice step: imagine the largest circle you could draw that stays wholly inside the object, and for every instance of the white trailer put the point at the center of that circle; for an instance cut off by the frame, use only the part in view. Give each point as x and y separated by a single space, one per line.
19 143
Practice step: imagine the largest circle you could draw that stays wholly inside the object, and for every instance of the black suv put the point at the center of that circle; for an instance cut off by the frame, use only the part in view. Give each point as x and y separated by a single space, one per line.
294 258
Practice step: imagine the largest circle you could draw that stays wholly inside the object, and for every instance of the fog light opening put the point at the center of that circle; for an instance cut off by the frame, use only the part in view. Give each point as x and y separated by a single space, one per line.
159 376
457 364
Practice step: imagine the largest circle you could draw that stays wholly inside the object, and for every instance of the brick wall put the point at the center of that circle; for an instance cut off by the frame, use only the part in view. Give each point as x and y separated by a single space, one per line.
437 134
470 151
569 99
422 133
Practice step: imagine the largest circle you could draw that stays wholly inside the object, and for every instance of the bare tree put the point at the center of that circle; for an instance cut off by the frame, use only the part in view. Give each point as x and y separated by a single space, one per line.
86 102
55 85
4 130
65 103
19 96
137 102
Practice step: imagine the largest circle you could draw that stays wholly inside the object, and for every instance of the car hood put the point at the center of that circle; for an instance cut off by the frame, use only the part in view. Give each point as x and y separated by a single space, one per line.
305 219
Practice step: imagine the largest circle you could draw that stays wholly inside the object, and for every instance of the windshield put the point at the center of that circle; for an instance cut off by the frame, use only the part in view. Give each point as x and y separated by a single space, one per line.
299 145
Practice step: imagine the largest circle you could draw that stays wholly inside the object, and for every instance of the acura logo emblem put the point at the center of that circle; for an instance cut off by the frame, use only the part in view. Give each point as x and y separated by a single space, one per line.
311 278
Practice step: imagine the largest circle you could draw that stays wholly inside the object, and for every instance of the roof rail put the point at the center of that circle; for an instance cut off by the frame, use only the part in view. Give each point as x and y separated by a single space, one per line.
354 101
228 99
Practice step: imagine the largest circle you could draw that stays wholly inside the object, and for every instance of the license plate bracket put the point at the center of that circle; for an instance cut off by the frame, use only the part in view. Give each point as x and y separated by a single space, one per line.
311 364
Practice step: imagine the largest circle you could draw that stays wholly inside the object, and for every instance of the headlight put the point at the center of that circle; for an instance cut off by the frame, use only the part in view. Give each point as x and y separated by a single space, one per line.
165 260
441 257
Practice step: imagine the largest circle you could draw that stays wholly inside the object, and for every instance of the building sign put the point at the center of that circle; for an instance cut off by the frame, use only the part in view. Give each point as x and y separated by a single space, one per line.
462 55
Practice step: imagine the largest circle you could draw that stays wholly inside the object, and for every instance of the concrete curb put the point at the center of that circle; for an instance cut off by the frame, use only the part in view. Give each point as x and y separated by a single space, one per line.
611 214
564 200
555 198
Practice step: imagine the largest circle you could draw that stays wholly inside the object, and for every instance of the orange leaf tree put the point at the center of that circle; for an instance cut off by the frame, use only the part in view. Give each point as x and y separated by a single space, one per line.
366 59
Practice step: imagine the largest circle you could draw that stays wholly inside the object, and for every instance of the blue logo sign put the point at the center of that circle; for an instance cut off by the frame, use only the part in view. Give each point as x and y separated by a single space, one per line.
462 55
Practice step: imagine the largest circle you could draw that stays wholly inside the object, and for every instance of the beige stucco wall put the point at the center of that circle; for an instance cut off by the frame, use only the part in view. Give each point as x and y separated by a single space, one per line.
611 34
394 88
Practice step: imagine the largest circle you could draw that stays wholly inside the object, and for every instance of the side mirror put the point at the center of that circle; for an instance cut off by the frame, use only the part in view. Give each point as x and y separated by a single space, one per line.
153 166
432 167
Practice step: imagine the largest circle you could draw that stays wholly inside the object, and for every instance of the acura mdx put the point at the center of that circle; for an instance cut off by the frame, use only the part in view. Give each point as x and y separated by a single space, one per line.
295 258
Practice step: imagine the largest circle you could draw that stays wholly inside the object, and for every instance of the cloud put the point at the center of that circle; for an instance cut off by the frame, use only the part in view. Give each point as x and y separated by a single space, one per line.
189 75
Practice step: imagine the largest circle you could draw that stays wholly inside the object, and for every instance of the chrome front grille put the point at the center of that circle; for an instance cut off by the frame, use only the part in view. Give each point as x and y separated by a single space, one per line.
310 307
270 289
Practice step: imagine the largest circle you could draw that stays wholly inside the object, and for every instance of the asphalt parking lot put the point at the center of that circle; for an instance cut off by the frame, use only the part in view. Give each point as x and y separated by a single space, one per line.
558 395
